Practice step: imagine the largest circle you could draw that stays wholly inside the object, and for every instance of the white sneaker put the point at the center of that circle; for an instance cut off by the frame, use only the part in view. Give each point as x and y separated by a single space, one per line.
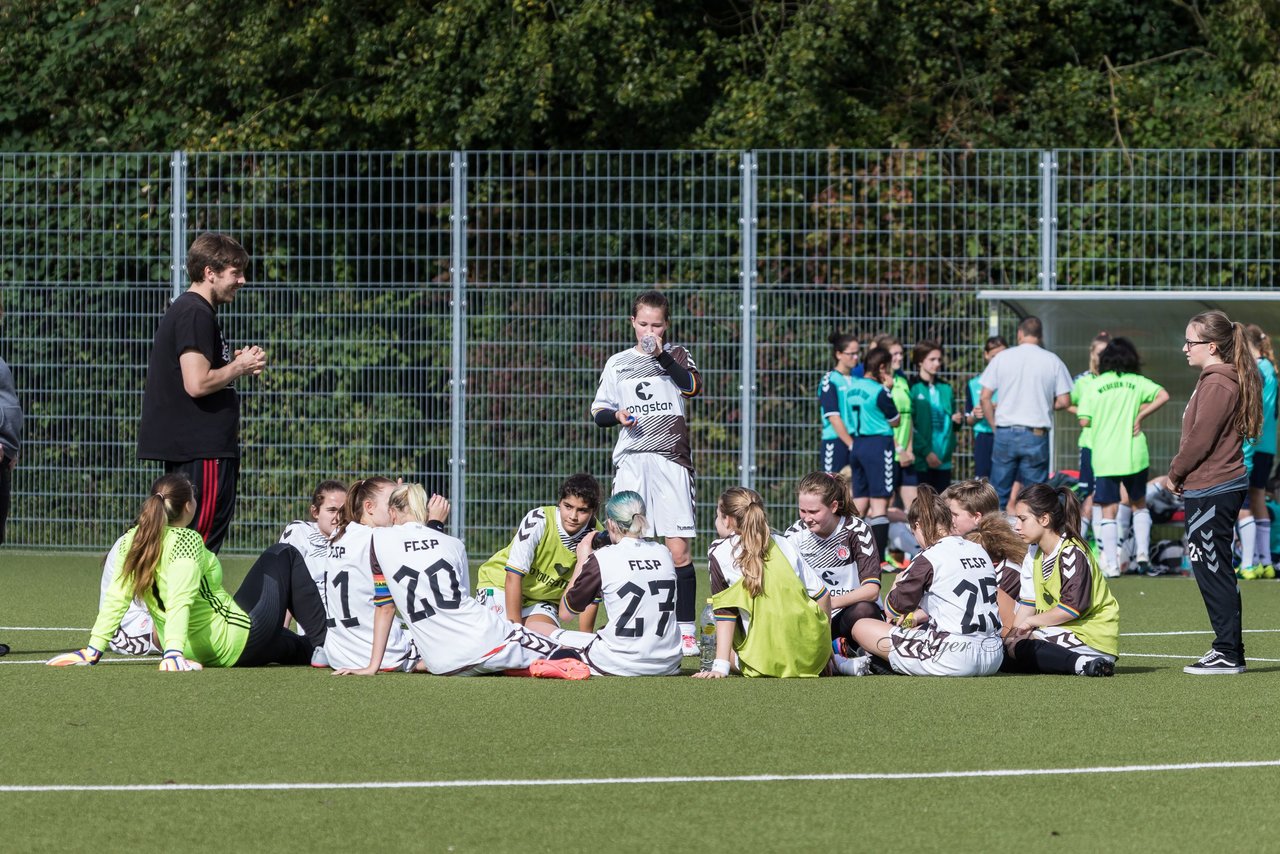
319 658
689 645
860 666
1109 571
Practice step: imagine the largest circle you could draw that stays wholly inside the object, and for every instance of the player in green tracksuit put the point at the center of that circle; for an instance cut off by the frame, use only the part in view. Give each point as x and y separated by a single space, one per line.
935 416
166 565
1113 407
525 581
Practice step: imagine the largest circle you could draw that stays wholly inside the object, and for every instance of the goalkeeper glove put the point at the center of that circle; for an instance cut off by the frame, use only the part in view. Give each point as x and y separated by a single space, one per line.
88 655
173 662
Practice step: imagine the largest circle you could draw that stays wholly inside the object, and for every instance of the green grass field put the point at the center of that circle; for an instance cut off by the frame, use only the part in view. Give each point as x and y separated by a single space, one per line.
125 724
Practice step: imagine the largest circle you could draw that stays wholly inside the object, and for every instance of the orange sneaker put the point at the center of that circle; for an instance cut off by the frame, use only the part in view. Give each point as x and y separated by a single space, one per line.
560 668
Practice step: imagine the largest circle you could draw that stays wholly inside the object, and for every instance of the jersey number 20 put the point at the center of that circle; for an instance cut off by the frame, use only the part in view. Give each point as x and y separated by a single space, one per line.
443 602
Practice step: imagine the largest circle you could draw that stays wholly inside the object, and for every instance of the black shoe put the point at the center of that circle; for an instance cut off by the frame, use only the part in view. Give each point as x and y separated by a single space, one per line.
1144 567
1212 664
4 649
880 667
1098 667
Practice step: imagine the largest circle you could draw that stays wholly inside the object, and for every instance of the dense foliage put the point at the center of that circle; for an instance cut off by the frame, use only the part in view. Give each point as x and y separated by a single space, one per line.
131 75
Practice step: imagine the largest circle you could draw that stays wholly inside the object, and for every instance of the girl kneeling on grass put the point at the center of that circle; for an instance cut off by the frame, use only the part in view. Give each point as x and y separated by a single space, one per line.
771 609
166 565
1067 622
942 608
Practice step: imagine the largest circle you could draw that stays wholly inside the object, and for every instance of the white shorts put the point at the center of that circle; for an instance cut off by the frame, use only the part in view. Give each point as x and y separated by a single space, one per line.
521 648
924 652
1064 637
667 490
495 599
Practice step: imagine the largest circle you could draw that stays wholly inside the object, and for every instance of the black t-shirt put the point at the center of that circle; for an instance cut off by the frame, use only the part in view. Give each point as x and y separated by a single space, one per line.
175 426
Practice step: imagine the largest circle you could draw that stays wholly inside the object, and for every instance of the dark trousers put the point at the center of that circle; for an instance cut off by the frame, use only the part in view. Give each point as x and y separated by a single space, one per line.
6 487
1210 528
279 583
215 483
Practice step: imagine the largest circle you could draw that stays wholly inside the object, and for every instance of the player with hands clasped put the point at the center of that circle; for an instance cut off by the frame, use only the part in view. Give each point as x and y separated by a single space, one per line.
167 565
644 389
942 609
363 635
427 575
772 611
1067 621
637 582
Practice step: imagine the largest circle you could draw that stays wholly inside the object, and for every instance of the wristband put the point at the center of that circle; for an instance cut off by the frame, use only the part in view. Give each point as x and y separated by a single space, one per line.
720 666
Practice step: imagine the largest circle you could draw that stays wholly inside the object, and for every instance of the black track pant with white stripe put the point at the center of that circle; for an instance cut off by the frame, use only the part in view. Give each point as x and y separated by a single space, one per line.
1211 525
215 484
279 583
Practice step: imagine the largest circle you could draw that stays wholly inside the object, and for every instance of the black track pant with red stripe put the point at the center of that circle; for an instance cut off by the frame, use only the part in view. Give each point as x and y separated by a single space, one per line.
215 482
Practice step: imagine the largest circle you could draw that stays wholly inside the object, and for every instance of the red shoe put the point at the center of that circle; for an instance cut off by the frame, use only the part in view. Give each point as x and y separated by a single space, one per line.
560 668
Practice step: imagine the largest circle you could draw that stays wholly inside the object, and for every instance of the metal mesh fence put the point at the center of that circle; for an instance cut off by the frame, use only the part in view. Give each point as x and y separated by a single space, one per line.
444 317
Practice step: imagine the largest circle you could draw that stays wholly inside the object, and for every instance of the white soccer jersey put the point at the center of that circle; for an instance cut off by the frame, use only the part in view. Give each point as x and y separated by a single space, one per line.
134 635
637 382
845 559
348 589
427 573
311 544
637 581
954 582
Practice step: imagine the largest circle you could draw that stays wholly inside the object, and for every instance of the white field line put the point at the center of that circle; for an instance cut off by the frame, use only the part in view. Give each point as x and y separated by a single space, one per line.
647 781
43 629
1249 659
133 659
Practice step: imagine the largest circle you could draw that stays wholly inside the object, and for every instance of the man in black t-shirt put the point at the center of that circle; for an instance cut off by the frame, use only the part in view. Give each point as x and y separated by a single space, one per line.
190 409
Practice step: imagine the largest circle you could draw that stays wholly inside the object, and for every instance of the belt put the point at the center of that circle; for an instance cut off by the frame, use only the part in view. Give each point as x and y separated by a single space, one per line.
1034 431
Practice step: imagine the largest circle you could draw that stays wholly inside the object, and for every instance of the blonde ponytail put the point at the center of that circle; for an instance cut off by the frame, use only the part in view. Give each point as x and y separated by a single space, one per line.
169 498
746 508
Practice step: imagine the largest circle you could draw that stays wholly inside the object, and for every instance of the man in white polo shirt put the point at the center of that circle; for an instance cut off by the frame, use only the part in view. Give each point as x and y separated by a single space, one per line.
1032 383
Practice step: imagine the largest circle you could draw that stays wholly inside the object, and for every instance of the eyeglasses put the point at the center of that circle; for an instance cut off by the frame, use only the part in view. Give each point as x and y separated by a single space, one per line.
1187 342
853 353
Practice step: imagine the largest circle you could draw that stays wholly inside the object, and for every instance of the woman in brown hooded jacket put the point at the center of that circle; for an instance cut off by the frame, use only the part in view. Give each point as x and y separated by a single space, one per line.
1208 471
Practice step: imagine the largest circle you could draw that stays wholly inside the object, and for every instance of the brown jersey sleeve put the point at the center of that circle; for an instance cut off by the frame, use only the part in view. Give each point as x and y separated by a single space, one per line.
1077 580
1009 579
862 544
909 589
585 588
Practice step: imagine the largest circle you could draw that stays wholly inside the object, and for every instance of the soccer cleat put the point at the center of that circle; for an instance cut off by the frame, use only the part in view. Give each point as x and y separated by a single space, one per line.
560 668
860 666
1109 571
4 649
1249 573
1098 667
879 667
319 658
1267 571
1214 663
689 645
1144 567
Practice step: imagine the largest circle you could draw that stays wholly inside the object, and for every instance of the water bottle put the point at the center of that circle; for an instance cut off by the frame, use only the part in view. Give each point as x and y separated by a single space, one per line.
707 637
649 344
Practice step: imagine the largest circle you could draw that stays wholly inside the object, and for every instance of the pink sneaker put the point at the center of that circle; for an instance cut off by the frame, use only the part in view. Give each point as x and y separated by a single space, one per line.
560 668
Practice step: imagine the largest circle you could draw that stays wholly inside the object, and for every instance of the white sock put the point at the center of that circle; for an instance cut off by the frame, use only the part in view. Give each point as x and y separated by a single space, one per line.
1124 519
1110 543
1263 548
1247 531
1142 533
1096 519
688 629
859 666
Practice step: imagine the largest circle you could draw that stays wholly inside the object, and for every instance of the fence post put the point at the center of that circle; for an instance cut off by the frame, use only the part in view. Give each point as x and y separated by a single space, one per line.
747 223
458 361
1048 220
178 222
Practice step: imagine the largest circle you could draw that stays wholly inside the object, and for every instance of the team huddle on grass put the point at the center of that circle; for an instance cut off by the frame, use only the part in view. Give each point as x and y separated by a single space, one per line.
374 583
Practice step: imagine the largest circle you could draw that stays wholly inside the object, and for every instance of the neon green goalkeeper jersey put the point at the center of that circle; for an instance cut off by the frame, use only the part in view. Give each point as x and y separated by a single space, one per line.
191 610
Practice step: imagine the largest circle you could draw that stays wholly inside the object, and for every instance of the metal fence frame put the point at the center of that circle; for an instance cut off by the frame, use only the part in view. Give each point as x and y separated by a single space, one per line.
864 187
